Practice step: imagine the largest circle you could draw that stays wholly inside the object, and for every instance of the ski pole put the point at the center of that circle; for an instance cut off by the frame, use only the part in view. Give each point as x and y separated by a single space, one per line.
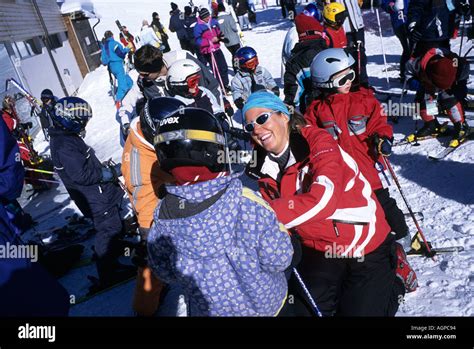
395 179
39 171
42 180
462 34
306 291
215 70
358 59
405 81
383 47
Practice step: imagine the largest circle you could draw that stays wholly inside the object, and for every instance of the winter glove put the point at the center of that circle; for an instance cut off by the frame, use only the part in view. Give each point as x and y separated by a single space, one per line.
111 173
464 10
276 91
383 145
414 84
140 252
239 103
125 130
413 33
228 107
27 125
238 133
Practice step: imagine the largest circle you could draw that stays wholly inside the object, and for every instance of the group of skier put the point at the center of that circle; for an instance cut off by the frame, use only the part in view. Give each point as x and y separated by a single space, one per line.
323 227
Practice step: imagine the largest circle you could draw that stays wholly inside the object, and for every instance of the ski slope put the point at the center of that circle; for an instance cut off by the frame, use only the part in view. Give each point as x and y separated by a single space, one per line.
443 191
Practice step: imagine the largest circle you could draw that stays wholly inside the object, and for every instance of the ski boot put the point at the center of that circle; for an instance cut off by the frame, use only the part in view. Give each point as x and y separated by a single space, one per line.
404 271
431 128
461 131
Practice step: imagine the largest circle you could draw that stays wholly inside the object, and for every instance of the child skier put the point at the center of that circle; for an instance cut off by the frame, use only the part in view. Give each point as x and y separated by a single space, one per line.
182 82
439 77
334 15
143 179
212 236
91 185
250 77
356 120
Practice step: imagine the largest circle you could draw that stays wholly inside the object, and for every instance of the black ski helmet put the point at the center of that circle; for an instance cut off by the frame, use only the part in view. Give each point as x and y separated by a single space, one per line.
156 110
71 114
190 137
47 94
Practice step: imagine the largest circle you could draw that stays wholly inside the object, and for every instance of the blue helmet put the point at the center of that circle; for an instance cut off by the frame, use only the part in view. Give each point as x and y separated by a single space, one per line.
71 114
247 58
312 10
154 111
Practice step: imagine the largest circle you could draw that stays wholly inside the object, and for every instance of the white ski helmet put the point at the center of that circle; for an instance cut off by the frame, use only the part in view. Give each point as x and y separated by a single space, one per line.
327 63
177 78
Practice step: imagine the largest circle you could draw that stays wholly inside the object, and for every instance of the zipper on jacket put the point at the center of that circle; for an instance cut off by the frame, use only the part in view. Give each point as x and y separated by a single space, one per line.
335 221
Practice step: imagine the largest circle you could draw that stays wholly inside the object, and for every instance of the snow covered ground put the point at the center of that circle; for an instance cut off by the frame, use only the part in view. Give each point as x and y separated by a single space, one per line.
443 191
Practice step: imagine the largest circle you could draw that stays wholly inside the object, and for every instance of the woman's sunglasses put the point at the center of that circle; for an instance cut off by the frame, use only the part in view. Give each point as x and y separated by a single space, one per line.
342 80
260 120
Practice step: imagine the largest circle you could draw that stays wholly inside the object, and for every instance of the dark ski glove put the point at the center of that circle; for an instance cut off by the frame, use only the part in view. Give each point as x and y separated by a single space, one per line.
276 91
414 84
111 173
228 107
414 33
383 145
239 103
125 130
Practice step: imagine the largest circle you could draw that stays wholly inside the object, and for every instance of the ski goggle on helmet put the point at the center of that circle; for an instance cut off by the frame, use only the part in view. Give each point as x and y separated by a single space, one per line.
247 58
329 63
343 79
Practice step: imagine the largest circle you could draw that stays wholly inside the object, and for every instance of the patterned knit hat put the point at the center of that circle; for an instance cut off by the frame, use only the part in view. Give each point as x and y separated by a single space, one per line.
204 13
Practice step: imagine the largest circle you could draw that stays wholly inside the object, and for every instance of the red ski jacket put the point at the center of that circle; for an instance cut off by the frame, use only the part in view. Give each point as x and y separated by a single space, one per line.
351 119
322 196
337 38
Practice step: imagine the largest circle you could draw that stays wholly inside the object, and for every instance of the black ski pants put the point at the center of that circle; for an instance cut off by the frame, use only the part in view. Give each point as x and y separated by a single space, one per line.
394 216
221 66
347 286
352 38
108 226
402 35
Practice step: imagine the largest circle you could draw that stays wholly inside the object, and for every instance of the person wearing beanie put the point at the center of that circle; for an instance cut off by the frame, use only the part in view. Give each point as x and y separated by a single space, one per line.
48 101
177 25
313 186
439 77
213 237
230 30
160 31
208 35
297 79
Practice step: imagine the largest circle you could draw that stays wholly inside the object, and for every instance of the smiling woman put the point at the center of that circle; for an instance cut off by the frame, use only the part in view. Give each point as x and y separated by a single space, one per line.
318 192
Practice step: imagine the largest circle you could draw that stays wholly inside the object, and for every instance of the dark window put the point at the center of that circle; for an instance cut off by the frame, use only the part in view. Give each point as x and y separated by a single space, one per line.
34 45
55 41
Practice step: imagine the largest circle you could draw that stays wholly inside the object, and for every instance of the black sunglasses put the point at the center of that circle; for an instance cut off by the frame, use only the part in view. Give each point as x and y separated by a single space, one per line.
260 120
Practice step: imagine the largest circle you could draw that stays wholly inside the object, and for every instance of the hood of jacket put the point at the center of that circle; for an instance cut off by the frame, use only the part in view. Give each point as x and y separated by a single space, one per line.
209 233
